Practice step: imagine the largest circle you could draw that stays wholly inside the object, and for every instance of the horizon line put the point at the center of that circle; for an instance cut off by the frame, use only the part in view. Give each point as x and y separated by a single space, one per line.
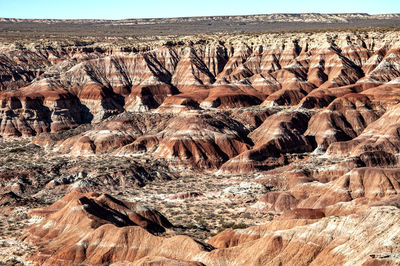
210 16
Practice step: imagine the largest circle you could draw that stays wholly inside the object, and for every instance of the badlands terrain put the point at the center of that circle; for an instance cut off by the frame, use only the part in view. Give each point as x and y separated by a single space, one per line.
264 147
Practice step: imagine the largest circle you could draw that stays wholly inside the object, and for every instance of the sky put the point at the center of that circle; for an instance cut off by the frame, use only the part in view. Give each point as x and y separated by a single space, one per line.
121 9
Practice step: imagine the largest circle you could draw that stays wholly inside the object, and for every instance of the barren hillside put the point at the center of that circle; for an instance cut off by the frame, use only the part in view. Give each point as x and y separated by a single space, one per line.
238 148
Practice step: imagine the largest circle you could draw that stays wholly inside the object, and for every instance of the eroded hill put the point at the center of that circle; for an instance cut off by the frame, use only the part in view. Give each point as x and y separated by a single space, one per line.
291 139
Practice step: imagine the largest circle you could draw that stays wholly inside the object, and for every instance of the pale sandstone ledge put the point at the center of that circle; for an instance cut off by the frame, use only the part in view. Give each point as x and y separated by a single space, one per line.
276 17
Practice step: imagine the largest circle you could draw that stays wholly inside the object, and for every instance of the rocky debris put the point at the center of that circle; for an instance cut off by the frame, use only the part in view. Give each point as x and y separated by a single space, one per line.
29 171
186 195
245 188
11 199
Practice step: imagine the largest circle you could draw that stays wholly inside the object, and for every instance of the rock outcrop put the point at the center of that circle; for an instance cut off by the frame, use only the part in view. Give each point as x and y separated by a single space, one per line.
93 229
279 134
329 241
96 229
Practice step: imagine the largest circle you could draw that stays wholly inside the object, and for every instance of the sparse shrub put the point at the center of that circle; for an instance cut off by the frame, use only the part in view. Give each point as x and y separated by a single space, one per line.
246 215
18 150
240 226
227 225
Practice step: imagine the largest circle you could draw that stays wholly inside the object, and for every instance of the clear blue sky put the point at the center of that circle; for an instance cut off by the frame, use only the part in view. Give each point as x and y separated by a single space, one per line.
119 9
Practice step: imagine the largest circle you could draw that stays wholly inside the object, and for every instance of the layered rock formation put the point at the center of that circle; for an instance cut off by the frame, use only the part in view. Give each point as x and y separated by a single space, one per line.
335 82
307 122
309 241
94 229
101 229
